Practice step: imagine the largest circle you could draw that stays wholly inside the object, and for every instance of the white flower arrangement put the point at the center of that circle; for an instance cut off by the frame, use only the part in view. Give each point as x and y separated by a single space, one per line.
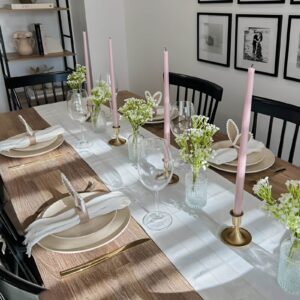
196 144
101 93
286 209
137 112
77 78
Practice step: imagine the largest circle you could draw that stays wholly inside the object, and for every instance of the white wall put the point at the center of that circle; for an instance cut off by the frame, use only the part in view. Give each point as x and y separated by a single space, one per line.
106 18
152 25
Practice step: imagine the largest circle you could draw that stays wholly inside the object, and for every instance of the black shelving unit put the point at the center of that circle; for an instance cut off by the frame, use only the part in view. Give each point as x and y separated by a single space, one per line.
7 58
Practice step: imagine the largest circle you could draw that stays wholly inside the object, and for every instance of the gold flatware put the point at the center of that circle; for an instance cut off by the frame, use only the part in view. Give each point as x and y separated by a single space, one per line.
96 261
34 162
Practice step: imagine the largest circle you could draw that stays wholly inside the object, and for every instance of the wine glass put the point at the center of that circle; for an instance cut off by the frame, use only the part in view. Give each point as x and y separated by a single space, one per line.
155 168
78 110
107 79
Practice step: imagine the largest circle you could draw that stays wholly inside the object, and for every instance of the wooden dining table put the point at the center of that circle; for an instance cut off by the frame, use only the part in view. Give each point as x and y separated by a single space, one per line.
143 272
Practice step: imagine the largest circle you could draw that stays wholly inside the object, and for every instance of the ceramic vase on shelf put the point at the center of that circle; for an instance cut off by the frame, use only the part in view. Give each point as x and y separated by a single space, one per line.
98 119
196 188
288 276
134 142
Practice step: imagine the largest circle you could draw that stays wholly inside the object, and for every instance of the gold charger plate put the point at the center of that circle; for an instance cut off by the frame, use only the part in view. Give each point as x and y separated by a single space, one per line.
252 158
16 153
85 237
267 162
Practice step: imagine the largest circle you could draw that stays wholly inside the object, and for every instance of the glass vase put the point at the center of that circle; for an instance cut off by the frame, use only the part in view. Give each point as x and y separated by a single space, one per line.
98 119
134 141
288 275
196 188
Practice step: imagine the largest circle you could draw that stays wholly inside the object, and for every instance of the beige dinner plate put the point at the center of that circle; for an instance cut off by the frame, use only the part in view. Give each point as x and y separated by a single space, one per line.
16 153
85 237
159 118
252 158
266 163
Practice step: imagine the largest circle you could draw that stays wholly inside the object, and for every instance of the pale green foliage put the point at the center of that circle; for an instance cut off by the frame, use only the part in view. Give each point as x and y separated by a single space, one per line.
77 78
137 112
196 143
286 208
101 93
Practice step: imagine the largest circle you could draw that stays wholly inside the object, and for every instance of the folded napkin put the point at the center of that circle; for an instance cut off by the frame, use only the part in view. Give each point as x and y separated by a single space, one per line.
225 155
100 205
28 129
25 140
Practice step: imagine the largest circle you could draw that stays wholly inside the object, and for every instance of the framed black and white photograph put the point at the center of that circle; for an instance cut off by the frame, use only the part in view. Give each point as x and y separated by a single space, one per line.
260 1
215 1
295 1
213 38
292 53
257 42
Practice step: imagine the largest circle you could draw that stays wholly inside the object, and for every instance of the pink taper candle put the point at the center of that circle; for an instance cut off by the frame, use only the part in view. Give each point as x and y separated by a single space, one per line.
115 114
166 99
242 157
87 63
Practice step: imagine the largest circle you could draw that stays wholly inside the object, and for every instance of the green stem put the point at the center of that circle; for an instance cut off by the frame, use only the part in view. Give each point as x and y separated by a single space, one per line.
294 248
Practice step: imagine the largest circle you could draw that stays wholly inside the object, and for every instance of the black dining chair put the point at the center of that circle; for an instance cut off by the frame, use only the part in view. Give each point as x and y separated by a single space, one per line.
205 95
274 109
37 89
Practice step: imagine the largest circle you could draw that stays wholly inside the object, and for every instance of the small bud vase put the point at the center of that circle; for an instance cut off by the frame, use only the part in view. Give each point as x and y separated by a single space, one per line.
98 119
134 141
196 188
288 275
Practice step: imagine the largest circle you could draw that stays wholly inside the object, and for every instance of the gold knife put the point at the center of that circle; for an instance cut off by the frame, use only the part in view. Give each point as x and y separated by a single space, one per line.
96 261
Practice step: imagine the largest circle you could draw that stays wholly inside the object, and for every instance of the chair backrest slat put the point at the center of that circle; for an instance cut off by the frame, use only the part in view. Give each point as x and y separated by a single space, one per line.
288 113
41 86
213 93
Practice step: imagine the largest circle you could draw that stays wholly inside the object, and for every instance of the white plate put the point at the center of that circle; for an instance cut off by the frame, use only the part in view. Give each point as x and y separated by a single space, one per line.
85 237
252 158
266 163
14 153
158 119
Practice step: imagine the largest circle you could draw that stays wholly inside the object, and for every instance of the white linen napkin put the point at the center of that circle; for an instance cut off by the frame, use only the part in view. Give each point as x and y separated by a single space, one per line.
24 140
100 205
224 155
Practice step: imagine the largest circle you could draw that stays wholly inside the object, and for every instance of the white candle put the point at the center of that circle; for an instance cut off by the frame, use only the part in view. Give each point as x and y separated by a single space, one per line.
166 98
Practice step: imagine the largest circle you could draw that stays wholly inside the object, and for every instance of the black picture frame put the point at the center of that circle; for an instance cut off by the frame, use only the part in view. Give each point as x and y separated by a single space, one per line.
214 54
261 2
266 63
295 2
214 1
292 50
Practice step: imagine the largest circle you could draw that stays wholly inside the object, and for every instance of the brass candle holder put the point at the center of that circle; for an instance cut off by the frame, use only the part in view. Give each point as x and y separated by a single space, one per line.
117 140
236 235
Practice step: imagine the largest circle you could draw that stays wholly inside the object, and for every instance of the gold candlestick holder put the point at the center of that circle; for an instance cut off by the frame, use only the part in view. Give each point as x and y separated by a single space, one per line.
236 235
117 140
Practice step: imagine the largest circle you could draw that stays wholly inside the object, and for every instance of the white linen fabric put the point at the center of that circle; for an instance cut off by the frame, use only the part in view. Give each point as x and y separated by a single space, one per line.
28 129
23 141
224 155
97 206
192 242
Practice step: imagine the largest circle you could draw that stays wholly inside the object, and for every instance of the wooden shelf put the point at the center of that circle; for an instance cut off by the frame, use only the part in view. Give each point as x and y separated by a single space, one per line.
8 9
15 56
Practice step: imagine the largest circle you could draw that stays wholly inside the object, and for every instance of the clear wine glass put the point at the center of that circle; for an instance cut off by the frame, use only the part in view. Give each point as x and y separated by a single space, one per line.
155 166
78 110
107 79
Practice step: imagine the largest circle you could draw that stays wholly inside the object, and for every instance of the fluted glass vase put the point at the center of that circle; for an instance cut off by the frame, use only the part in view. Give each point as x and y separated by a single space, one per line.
134 142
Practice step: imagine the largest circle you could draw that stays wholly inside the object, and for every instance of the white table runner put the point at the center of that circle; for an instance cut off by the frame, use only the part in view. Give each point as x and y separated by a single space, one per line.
192 242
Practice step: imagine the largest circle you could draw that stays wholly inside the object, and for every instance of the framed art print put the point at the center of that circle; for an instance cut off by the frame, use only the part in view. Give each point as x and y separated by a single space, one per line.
295 1
214 38
257 42
260 1
292 53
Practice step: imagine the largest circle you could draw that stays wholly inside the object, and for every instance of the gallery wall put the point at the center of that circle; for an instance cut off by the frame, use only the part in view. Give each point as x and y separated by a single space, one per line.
152 25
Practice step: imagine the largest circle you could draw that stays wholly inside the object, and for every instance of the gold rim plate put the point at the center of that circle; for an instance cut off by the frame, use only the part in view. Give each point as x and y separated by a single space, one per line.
14 153
266 163
160 118
108 228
